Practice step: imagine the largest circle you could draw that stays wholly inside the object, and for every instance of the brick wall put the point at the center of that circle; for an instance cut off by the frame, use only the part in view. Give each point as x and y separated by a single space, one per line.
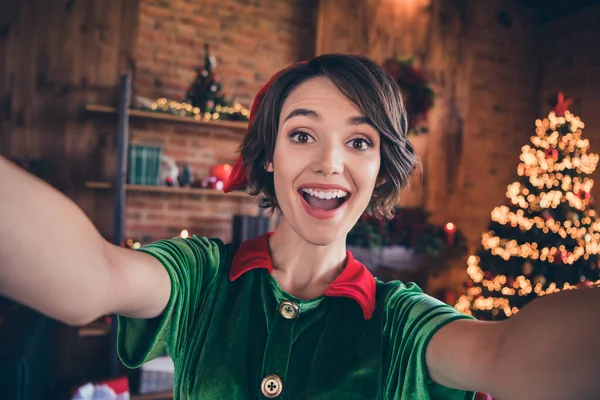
161 215
200 146
164 215
250 39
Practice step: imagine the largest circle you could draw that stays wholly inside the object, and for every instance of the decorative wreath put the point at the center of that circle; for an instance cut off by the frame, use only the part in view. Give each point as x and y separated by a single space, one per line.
416 93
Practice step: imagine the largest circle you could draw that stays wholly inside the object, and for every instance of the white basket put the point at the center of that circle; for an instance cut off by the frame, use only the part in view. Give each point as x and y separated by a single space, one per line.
157 376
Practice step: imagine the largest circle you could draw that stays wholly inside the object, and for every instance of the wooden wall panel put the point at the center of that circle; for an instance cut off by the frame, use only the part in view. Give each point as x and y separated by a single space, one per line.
379 29
55 56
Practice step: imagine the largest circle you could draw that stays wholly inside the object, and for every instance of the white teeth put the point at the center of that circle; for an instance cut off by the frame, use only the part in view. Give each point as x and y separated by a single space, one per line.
326 194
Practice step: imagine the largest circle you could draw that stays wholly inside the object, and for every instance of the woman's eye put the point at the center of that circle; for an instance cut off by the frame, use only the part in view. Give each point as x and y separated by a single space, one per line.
360 144
301 137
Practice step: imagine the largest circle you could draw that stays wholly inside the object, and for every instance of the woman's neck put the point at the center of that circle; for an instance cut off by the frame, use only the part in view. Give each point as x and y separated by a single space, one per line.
302 269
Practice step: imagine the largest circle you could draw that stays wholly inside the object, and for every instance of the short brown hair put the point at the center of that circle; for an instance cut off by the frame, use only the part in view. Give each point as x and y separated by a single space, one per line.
367 85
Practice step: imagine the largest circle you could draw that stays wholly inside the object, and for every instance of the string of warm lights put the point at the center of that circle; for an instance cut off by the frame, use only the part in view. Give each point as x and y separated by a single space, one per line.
536 161
553 166
547 180
506 249
582 230
522 197
520 286
188 110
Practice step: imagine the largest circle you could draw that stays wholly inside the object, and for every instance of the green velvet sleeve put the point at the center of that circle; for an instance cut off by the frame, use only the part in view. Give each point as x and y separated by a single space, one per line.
192 265
412 318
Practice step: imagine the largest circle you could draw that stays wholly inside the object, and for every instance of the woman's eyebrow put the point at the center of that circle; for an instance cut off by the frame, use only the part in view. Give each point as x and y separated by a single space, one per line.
302 112
362 120
305 112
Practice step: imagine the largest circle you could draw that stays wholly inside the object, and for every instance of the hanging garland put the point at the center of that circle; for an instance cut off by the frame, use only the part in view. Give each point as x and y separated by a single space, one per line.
417 95
183 109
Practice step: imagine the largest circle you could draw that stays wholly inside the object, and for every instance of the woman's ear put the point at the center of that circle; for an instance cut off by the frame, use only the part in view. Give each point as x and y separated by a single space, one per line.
269 167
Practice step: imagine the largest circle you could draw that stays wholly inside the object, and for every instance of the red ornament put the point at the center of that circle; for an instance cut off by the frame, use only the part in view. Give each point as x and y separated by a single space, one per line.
551 154
561 257
585 284
221 172
562 105
584 195
450 297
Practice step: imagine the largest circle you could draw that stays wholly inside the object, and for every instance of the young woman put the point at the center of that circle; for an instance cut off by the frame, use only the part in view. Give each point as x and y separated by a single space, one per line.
292 315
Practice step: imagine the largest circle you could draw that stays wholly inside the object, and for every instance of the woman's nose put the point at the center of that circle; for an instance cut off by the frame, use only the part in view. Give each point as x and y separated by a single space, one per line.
329 160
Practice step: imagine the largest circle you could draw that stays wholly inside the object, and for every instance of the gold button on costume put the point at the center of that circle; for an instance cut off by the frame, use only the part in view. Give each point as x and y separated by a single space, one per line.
288 310
271 386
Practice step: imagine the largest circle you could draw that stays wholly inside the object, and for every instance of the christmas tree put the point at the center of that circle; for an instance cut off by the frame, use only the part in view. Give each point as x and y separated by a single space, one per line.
205 91
547 237
204 99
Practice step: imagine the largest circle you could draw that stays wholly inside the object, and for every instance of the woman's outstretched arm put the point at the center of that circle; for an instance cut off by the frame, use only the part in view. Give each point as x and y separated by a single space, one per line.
549 350
53 259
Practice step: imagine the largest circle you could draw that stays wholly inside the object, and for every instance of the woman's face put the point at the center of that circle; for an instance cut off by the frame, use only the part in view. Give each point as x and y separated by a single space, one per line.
326 162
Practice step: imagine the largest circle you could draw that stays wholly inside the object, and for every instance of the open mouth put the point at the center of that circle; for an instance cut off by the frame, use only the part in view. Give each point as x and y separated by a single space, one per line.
327 200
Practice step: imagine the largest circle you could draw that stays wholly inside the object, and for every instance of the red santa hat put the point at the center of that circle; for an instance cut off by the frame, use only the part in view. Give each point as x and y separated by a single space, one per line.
237 177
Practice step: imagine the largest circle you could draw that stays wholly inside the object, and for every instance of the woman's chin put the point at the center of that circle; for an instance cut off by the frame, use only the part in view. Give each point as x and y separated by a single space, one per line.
320 232
321 235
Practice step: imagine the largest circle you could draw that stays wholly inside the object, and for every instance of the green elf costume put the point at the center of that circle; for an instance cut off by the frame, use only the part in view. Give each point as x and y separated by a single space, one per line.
233 333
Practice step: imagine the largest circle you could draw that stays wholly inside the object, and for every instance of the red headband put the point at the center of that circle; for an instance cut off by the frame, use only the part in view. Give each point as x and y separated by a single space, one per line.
237 178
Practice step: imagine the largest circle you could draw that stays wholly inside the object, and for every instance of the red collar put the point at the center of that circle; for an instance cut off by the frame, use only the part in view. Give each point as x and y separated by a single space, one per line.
355 281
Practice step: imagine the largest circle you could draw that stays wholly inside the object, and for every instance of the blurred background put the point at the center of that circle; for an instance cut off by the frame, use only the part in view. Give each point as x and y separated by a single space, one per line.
135 108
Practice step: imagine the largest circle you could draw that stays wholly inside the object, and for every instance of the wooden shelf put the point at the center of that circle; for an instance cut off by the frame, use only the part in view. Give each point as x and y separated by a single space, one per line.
242 127
152 396
169 189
